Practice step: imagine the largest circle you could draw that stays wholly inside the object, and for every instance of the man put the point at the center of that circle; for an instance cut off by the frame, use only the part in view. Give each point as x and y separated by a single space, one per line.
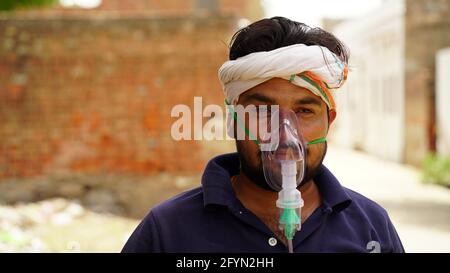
279 62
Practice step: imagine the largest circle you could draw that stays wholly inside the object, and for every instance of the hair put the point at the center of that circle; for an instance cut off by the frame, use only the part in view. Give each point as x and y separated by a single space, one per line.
272 33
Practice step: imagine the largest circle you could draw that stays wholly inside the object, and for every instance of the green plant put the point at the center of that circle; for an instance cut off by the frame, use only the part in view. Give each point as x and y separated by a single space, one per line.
23 4
436 169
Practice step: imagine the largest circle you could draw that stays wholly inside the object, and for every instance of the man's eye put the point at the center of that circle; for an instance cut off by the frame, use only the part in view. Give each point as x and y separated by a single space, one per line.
304 111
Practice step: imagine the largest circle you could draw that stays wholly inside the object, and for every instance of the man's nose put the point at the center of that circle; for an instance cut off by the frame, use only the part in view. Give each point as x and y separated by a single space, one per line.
284 131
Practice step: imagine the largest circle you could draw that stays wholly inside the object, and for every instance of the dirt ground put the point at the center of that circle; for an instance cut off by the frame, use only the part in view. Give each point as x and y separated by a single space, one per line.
420 212
61 225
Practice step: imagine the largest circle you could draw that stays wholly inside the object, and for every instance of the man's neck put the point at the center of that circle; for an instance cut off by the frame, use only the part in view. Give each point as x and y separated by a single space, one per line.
262 202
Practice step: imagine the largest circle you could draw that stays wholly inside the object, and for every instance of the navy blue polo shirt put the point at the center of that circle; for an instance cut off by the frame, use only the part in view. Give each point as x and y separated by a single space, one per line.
211 219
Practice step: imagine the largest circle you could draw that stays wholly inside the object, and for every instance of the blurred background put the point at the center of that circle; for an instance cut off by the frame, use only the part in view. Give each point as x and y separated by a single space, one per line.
87 87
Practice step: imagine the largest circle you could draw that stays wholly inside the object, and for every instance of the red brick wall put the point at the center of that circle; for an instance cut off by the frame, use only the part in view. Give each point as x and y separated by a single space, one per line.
250 9
94 95
243 8
173 6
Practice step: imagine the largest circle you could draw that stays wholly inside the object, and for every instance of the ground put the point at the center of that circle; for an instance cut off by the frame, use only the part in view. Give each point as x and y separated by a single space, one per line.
420 212
61 225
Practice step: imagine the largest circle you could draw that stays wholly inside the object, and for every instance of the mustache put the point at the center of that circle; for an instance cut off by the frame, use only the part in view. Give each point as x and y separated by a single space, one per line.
284 146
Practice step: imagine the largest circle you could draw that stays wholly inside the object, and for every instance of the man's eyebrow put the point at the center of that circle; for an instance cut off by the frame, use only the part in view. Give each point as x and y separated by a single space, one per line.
260 97
308 100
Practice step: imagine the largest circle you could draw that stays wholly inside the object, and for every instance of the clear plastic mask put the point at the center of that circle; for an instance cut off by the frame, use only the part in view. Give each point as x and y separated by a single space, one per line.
282 142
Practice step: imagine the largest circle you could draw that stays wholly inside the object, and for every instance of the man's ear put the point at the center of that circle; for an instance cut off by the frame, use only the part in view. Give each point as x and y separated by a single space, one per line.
331 116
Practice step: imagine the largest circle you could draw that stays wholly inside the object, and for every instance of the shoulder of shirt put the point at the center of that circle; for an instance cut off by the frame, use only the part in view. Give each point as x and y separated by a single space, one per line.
368 207
368 213
179 204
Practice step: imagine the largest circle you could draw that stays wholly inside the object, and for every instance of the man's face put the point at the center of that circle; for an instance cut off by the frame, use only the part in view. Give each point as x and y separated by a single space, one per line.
312 114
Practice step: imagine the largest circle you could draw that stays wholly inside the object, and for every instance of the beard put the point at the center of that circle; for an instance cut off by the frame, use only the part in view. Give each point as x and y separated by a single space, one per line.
255 171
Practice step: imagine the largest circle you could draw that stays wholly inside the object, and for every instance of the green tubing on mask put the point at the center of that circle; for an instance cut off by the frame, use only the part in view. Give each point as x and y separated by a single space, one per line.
319 140
289 220
252 137
240 124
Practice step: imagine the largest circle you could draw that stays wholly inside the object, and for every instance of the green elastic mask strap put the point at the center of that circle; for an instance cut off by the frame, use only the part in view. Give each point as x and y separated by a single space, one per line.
252 137
319 140
239 122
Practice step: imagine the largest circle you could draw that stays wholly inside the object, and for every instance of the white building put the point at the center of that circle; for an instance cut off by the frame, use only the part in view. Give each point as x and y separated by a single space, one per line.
371 113
443 100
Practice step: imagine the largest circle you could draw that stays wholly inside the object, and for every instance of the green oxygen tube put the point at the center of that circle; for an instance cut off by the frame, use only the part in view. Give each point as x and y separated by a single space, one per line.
289 202
290 199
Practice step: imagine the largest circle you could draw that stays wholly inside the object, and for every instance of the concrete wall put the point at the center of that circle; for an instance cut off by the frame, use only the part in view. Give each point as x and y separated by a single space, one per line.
371 104
388 106
427 30
443 100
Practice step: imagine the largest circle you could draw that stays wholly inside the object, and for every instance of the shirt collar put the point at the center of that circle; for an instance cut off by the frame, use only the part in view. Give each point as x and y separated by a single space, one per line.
333 194
216 179
217 189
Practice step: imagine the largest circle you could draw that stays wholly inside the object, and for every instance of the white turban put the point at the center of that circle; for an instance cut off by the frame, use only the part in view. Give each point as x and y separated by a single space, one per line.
315 68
